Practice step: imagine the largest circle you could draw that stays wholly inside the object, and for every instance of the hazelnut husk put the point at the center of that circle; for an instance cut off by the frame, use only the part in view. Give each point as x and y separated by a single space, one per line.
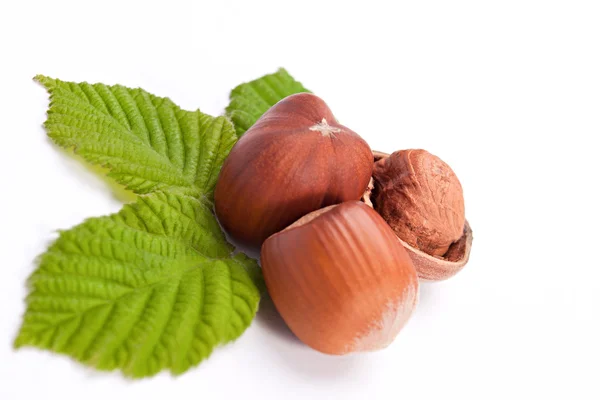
421 199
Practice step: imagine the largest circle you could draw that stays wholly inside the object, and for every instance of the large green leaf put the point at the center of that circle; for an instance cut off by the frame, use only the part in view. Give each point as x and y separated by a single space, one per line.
152 287
146 142
250 100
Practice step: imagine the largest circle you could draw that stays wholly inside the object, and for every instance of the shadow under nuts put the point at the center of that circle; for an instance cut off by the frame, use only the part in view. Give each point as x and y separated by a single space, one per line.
340 279
295 159
421 198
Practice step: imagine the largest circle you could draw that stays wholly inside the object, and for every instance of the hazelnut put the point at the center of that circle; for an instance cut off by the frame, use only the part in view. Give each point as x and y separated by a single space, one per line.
295 159
421 198
340 279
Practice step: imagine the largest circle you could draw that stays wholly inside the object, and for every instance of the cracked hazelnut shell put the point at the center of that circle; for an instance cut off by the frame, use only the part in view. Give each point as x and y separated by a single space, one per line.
421 198
340 279
295 159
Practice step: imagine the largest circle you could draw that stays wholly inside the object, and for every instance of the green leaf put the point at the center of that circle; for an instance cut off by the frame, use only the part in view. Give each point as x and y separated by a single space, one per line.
147 142
152 287
250 100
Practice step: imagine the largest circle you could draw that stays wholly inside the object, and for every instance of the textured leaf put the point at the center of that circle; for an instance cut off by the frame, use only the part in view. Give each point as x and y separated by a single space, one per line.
250 100
147 142
152 287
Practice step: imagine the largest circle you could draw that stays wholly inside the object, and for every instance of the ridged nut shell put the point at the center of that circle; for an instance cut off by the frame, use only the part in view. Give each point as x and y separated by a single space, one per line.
340 279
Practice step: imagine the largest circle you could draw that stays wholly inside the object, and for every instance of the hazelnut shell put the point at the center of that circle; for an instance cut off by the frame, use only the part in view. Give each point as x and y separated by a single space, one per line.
340 279
294 160
433 268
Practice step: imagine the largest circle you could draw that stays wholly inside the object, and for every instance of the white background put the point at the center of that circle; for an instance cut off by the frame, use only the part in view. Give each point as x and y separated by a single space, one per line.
507 92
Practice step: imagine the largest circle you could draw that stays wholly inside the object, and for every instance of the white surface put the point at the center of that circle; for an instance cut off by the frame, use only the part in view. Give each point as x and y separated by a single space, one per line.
507 92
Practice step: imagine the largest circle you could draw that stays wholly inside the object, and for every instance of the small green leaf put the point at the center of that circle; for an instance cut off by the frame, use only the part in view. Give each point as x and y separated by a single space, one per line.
152 287
146 142
250 100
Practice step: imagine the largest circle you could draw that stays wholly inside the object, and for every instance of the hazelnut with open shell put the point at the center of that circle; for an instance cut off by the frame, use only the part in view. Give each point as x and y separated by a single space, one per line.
421 198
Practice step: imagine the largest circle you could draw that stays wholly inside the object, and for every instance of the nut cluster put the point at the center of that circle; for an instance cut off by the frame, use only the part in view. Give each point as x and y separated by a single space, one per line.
343 273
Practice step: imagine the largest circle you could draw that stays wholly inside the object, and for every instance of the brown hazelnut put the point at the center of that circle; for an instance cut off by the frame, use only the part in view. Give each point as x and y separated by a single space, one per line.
295 159
421 198
340 279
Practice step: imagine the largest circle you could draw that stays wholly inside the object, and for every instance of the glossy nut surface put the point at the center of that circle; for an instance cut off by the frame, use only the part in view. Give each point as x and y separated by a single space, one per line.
340 279
294 160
